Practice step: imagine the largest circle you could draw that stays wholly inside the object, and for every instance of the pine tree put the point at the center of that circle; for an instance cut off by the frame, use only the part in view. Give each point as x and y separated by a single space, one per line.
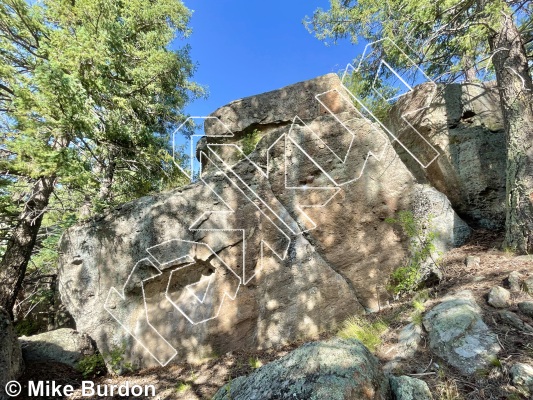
89 92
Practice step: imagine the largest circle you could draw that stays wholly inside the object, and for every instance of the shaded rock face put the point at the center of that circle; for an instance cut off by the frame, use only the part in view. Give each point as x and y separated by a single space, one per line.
458 334
464 123
262 250
64 346
11 364
339 369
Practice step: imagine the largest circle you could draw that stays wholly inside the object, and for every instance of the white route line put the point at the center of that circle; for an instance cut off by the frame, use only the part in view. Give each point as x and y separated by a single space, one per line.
268 217
130 330
191 142
225 295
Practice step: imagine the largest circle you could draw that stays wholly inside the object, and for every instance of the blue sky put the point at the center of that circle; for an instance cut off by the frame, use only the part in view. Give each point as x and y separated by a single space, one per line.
246 47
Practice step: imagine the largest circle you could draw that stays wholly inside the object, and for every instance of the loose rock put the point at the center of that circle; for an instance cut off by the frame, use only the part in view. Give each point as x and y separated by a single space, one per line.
407 388
338 369
515 281
526 308
528 285
458 334
472 262
408 340
510 318
64 345
499 297
522 376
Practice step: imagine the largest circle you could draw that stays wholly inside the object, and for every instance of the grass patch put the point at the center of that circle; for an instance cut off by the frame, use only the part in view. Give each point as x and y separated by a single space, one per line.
448 390
249 142
182 387
254 362
418 305
367 332
407 278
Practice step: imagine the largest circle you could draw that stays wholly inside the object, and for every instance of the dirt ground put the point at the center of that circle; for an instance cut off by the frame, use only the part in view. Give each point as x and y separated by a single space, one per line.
190 382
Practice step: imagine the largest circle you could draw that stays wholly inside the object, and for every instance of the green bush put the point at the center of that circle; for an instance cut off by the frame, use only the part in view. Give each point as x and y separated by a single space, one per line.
418 306
26 327
92 366
407 278
249 142
115 360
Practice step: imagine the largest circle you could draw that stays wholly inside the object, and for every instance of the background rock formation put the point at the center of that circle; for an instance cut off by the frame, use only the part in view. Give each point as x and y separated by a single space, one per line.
464 122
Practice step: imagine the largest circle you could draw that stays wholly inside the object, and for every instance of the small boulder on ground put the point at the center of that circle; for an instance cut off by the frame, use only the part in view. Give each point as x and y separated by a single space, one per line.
337 369
64 345
515 281
472 261
407 388
11 364
526 308
528 285
522 377
458 334
510 318
499 297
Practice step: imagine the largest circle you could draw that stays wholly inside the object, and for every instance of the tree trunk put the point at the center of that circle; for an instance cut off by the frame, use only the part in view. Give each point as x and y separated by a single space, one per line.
469 69
20 245
108 174
515 87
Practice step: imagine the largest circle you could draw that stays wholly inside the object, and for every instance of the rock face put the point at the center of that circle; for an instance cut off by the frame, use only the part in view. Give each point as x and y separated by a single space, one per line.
64 345
11 364
458 334
284 243
339 369
464 123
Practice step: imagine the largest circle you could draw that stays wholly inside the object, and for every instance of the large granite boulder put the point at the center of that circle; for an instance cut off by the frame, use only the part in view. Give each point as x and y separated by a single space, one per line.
264 249
339 369
64 345
457 333
464 123
11 364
